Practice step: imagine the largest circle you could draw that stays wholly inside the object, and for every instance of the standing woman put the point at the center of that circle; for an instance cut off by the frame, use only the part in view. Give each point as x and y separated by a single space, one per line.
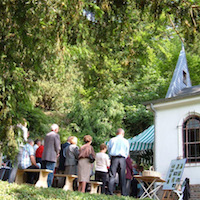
102 165
71 156
84 165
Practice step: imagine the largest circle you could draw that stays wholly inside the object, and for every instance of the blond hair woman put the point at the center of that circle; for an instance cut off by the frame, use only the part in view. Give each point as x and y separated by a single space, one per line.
71 154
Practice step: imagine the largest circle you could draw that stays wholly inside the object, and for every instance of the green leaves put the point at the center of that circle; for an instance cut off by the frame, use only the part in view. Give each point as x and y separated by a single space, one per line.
185 15
100 118
93 62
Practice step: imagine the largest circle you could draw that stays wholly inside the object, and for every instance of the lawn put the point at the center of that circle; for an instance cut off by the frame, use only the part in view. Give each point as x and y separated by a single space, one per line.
19 192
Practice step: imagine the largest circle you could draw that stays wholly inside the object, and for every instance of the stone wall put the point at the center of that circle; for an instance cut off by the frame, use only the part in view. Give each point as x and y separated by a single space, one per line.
195 192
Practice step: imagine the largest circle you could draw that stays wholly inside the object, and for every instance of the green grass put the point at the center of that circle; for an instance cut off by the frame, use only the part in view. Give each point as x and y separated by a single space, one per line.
19 192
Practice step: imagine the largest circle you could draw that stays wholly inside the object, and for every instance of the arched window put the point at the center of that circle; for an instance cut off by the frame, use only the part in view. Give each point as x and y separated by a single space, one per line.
191 139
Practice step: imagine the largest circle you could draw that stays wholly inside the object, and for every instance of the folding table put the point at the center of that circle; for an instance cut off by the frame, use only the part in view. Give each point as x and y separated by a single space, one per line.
151 189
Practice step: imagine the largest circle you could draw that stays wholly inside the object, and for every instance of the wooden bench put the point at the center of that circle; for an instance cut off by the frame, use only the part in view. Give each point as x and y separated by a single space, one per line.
68 181
94 187
42 181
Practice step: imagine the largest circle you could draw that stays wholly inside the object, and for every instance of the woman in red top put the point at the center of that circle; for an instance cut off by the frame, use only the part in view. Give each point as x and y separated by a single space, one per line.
38 154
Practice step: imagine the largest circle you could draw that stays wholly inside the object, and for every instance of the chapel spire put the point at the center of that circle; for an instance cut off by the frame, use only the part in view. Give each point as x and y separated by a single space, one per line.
181 76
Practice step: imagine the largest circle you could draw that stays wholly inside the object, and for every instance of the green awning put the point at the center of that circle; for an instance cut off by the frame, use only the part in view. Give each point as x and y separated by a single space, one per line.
143 141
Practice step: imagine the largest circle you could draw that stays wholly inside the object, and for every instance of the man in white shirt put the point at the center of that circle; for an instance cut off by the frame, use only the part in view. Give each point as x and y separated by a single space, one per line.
118 149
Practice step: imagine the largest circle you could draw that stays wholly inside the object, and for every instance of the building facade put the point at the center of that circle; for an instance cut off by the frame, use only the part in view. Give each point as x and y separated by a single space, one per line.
177 124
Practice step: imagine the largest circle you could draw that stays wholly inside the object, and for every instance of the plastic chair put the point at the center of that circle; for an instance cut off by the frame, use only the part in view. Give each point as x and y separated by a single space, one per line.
180 189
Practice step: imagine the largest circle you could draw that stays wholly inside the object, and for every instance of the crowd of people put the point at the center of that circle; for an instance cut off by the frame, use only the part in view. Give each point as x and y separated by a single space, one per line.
114 170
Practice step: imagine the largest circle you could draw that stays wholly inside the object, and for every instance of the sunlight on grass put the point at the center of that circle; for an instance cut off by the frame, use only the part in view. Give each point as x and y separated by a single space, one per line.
19 192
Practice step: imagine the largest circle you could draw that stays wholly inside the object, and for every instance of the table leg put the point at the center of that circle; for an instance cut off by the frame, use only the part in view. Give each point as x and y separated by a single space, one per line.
146 193
154 192
68 183
42 181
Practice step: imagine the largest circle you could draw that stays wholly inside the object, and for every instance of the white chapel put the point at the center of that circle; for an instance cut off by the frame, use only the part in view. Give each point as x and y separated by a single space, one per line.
177 124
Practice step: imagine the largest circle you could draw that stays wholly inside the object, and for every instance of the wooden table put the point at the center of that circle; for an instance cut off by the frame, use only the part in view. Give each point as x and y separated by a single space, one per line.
68 181
151 190
42 181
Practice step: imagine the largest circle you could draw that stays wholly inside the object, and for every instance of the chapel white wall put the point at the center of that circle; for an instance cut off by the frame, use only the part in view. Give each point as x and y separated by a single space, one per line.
168 138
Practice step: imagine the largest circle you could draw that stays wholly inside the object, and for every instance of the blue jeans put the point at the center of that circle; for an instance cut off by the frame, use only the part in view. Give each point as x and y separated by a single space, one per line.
51 166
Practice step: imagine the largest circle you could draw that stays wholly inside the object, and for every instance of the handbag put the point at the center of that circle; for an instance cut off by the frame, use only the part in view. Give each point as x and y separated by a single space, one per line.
91 158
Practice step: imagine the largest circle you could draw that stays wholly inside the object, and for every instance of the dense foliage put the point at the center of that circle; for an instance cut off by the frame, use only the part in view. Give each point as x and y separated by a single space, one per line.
88 65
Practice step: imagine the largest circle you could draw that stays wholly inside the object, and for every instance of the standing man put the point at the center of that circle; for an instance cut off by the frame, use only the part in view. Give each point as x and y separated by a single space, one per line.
118 149
51 151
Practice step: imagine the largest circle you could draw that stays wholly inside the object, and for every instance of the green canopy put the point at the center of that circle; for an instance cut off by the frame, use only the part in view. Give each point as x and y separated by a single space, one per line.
143 141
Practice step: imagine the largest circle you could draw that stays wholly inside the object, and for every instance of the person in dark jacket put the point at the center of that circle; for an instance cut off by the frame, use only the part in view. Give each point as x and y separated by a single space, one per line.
186 192
61 166
134 182
129 174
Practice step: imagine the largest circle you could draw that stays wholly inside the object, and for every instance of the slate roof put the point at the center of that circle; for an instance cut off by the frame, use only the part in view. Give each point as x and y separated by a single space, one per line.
181 76
184 93
179 88
189 91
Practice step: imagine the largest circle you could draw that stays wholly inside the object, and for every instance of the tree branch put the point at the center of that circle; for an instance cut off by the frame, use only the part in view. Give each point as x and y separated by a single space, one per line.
192 16
195 6
175 29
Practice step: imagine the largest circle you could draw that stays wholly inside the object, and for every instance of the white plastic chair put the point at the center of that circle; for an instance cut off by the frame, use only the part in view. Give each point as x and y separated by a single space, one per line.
180 189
